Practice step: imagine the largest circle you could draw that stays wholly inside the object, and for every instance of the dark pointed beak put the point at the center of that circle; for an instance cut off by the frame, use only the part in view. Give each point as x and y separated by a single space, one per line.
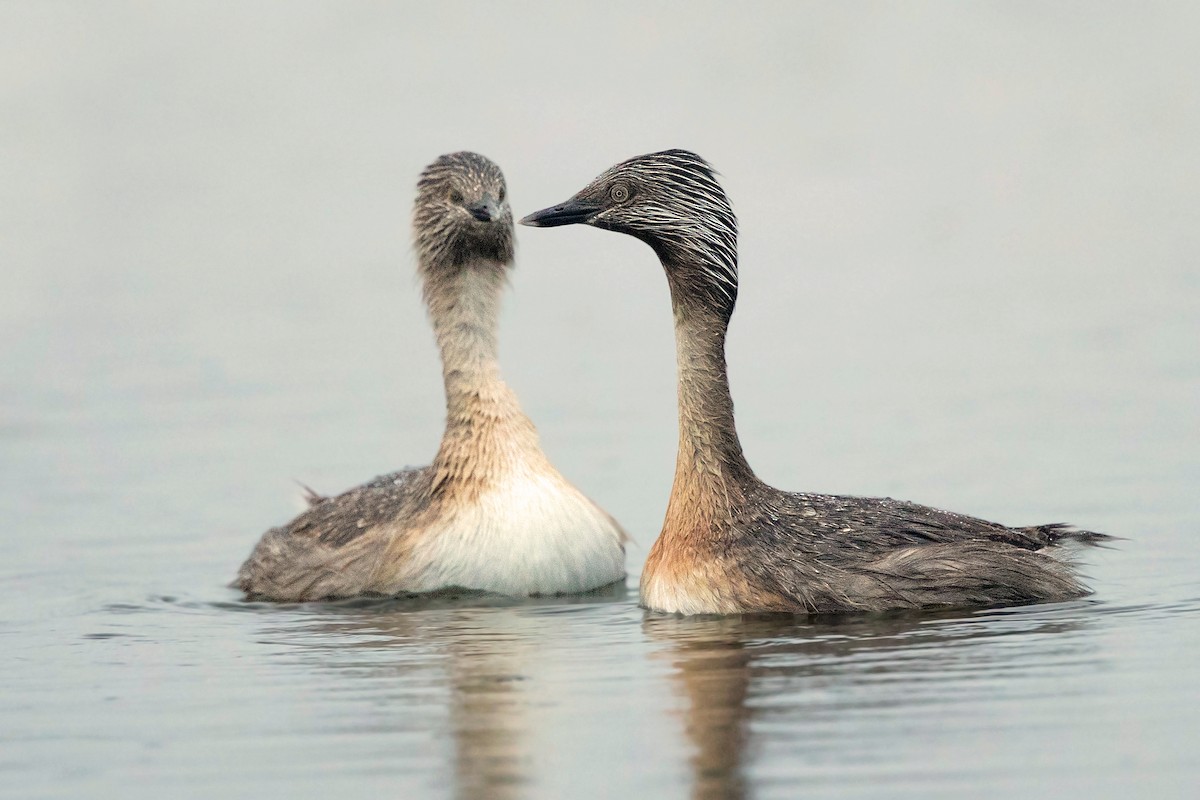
568 213
486 210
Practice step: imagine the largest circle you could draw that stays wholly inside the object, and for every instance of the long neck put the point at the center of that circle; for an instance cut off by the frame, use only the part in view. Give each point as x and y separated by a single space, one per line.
711 473
483 418
464 307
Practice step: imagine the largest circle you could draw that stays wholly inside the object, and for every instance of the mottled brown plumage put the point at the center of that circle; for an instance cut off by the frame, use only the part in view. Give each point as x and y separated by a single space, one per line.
730 543
491 513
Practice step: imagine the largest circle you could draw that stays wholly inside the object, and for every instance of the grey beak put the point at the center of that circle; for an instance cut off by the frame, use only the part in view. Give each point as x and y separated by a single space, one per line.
568 213
486 210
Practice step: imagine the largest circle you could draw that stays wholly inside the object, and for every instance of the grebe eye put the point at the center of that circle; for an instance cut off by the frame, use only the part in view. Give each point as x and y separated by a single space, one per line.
501 195
619 193
456 196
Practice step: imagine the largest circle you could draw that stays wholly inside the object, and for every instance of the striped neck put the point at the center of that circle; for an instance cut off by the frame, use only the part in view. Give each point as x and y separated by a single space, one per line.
711 471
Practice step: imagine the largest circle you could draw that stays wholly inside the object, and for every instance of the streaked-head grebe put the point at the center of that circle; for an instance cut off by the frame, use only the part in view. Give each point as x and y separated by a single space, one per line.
730 543
491 513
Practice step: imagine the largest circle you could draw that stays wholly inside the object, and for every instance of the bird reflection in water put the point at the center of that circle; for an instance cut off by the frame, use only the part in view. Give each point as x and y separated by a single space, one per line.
469 667
744 679
515 686
712 672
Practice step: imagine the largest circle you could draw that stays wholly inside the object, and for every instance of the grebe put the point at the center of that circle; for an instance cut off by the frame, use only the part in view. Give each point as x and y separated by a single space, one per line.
732 544
491 513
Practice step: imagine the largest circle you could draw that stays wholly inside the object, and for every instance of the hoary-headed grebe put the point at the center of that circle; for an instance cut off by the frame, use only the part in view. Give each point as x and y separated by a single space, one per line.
730 543
491 513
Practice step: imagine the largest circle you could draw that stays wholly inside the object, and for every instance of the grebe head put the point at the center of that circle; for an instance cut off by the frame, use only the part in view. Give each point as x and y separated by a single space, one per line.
462 213
672 201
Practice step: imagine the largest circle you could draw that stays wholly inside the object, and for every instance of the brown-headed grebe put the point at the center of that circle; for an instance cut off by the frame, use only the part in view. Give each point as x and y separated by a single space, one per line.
491 513
730 543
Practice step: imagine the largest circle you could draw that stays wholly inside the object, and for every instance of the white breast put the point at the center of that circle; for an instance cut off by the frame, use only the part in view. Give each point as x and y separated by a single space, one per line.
533 533
673 597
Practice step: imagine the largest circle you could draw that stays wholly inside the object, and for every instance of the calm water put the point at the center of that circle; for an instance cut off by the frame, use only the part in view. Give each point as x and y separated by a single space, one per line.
970 277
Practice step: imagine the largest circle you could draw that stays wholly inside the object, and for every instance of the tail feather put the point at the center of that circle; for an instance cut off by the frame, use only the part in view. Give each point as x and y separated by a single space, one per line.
1057 533
310 496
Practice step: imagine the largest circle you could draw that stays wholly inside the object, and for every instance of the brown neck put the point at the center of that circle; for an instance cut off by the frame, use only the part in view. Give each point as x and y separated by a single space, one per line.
711 473
483 419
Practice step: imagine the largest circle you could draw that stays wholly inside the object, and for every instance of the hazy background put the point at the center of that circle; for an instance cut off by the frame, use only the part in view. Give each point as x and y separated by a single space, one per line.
969 260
